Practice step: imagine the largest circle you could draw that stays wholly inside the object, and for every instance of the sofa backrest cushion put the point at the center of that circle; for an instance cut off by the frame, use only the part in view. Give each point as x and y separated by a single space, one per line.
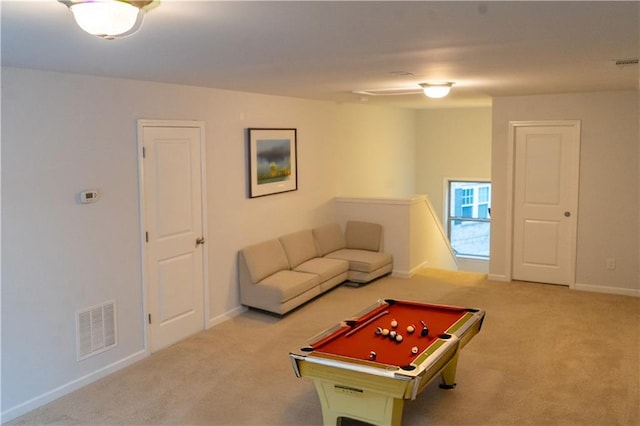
299 247
329 238
264 259
363 235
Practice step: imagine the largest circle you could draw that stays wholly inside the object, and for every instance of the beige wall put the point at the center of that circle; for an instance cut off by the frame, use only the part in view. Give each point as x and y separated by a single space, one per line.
608 223
452 143
375 155
64 133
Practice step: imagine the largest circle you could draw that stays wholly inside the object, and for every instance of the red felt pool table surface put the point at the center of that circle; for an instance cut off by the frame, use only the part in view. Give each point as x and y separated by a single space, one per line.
360 336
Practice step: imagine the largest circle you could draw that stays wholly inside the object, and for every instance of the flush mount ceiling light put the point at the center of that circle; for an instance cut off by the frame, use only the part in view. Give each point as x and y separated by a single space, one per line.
432 90
436 90
109 19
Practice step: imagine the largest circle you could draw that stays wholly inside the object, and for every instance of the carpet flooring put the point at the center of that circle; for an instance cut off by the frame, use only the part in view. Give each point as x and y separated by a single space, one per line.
546 355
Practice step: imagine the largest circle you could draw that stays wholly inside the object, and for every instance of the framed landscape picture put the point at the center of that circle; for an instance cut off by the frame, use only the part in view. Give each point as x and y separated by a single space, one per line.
272 161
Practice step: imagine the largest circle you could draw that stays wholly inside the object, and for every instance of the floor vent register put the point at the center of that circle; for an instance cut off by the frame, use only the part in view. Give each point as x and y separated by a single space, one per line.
96 330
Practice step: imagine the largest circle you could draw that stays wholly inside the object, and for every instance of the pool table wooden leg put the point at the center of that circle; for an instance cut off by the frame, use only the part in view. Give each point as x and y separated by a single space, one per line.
448 374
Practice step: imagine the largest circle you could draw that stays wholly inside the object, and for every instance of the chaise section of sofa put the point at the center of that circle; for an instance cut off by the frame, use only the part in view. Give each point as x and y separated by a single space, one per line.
281 274
360 245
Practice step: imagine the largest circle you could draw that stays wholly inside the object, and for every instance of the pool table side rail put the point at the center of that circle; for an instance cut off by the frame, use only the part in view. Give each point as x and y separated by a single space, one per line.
345 363
427 305
468 320
473 329
381 304
435 359
369 311
326 336
439 349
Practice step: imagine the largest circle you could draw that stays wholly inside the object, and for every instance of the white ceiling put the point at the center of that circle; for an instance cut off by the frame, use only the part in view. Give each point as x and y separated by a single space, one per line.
325 50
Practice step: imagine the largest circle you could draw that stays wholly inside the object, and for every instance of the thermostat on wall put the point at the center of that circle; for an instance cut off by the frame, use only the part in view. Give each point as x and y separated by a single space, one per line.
87 197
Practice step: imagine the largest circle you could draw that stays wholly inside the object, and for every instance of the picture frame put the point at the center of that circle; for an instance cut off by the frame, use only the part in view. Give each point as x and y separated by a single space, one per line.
273 161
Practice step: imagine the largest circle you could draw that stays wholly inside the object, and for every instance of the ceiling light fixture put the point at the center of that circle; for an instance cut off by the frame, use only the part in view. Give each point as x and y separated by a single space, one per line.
436 90
109 19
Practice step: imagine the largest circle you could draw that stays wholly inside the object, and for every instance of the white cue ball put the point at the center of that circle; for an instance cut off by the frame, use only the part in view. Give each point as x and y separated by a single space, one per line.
411 329
414 350
394 323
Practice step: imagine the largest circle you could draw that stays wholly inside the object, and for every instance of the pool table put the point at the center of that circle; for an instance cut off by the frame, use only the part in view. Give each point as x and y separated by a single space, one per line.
362 369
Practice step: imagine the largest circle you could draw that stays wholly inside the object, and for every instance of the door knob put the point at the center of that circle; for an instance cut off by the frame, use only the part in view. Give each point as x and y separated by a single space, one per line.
567 214
199 241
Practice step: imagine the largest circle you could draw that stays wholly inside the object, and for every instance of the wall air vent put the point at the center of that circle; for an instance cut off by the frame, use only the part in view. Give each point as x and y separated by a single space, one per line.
96 330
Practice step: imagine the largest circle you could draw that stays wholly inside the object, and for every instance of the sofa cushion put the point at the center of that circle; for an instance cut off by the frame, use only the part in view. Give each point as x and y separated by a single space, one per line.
329 238
362 260
264 259
325 267
363 235
299 247
358 277
285 285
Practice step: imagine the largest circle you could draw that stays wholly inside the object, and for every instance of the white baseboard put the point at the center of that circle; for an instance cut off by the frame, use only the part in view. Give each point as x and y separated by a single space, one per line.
401 274
498 277
396 273
609 290
38 401
468 264
408 274
226 316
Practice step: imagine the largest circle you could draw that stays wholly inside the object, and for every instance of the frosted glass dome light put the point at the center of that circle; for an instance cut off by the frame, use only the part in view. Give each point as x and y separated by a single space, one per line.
108 19
436 90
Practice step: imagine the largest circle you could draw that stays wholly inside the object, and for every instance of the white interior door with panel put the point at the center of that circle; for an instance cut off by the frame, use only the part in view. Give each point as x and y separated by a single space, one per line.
172 200
546 159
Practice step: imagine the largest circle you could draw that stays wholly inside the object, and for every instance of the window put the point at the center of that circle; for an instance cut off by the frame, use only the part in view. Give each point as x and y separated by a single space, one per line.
468 217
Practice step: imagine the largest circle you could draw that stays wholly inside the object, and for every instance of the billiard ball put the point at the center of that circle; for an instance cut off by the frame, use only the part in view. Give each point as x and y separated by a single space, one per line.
414 350
385 331
399 338
393 334
372 355
425 329
394 323
411 329
379 330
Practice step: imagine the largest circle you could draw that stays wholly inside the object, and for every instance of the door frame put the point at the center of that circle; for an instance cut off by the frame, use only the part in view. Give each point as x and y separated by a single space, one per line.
142 123
511 152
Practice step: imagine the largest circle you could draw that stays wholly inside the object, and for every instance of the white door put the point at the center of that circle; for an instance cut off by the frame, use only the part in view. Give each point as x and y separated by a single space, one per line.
545 201
172 176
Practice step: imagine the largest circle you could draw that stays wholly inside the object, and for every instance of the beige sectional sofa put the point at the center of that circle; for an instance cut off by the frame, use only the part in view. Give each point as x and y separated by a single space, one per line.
279 275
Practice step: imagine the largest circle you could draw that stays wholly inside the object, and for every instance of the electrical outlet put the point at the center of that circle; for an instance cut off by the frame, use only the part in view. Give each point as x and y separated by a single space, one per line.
611 263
